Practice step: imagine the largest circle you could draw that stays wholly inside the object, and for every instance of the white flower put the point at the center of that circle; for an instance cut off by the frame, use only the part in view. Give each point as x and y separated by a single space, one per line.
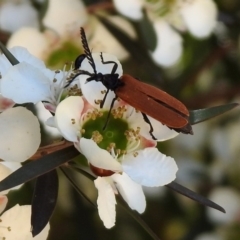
15 224
59 29
169 44
124 154
62 32
30 80
197 16
65 16
20 130
200 17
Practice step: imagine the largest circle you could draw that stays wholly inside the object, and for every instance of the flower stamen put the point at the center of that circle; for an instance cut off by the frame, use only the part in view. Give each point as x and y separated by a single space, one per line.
118 112
97 137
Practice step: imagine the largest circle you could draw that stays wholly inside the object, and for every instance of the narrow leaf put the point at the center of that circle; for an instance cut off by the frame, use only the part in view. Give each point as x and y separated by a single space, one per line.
194 196
147 32
44 201
8 55
200 115
77 188
37 168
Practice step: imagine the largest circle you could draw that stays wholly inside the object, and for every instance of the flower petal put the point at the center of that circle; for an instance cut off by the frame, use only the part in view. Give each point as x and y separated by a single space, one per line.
25 83
131 192
150 167
22 55
5 103
200 17
169 44
68 117
24 15
18 219
20 134
31 38
135 120
57 9
131 9
44 117
106 201
98 157
93 90
160 131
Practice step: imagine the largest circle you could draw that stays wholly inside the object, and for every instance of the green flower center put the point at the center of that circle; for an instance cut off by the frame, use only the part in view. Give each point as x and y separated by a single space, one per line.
60 56
114 136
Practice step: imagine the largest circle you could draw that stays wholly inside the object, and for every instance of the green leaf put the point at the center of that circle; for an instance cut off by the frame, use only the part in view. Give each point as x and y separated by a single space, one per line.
38 167
200 115
44 201
147 32
8 55
194 196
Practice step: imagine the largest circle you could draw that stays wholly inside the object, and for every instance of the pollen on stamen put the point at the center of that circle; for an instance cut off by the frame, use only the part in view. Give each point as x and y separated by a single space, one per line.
111 146
135 154
6 227
73 121
75 91
94 114
124 152
82 131
118 112
97 137
118 151
132 134
97 101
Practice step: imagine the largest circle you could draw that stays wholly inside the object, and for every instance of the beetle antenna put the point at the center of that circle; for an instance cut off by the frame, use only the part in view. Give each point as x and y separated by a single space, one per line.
87 50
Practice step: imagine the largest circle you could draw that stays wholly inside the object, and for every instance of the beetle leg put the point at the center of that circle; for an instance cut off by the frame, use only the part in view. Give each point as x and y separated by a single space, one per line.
146 119
104 99
107 120
115 65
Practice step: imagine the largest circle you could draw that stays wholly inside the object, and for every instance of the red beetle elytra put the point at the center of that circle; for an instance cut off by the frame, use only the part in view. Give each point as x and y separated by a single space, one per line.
148 99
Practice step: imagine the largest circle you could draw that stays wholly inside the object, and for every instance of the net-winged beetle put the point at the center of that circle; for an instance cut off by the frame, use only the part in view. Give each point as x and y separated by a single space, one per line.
148 99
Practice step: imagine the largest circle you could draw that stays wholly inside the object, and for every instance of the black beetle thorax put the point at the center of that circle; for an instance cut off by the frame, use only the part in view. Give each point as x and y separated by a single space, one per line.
111 81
